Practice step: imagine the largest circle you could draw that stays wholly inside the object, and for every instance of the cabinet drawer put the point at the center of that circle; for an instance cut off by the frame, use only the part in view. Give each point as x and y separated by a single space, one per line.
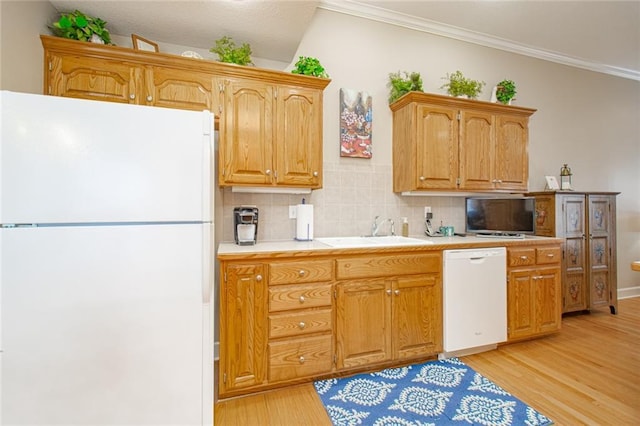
299 323
521 257
546 255
300 271
292 359
299 297
388 265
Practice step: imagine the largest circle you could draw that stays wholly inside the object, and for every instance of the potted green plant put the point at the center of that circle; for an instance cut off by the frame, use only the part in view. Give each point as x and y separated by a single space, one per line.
308 65
403 82
460 86
505 91
228 52
78 26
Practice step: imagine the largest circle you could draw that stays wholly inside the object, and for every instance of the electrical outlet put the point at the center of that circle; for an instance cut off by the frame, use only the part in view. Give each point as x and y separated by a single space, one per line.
427 210
293 210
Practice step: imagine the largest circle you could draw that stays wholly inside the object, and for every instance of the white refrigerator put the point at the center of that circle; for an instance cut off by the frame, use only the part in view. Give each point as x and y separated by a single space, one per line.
105 255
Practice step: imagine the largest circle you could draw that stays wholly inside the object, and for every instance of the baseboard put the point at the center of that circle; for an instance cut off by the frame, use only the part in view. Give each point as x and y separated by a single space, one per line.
626 293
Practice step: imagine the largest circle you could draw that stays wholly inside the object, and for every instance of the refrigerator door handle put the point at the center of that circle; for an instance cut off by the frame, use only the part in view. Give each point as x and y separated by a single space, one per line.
207 267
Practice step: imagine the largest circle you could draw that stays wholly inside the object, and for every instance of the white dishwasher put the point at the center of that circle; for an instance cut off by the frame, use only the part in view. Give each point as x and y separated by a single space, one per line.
475 300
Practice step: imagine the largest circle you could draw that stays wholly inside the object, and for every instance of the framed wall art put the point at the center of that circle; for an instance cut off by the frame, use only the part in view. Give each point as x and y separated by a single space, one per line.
355 124
141 43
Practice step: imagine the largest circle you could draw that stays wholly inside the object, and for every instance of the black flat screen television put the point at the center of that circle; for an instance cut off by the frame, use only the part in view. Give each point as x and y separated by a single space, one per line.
513 216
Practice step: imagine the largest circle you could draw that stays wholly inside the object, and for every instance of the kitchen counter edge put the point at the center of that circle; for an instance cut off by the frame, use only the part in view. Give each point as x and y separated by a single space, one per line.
292 248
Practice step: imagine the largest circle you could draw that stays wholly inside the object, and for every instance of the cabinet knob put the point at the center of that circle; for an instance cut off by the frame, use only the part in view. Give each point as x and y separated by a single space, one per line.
422 178
301 272
268 171
301 299
397 292
258 277
315 174
132 96
149 98
301 360
301 325
389 292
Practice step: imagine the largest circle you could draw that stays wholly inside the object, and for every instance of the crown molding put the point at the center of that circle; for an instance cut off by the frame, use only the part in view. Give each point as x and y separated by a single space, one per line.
375 13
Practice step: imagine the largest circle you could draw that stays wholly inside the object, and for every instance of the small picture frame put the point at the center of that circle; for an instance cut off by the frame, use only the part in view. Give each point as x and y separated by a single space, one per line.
141 43
552 183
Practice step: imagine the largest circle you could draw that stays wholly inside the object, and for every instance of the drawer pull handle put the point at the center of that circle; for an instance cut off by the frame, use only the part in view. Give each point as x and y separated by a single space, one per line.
397 292
301 325
550 255
301 299
524 257
301 360
301 272
258 277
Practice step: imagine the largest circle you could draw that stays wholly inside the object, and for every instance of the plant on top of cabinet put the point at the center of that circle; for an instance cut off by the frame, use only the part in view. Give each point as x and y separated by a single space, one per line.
228 52
78 26
458 85
505 91
401 83
308 65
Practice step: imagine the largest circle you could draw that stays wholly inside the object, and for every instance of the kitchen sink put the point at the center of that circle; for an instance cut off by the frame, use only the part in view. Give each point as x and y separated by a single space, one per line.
354 242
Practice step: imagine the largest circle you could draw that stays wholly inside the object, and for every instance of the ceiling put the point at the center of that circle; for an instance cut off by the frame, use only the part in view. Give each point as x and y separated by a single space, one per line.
603 36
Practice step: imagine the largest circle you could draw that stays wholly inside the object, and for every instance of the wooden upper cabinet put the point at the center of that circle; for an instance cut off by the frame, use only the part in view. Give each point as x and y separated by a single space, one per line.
170 88
437 163
477 150
271 134
446 143
80 77
270 122
512 153
298 153
246 121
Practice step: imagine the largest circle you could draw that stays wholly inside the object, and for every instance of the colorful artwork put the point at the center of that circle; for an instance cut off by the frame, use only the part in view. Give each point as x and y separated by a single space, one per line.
355 124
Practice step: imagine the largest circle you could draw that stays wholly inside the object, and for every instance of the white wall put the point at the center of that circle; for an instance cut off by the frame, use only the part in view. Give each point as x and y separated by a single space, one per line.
586 119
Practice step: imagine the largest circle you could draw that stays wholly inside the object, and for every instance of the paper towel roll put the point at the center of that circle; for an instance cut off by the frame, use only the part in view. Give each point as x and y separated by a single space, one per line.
304 222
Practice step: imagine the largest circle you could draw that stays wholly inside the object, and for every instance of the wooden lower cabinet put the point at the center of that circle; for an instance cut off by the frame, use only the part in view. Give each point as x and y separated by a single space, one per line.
534 297
243 327
388 319
292 318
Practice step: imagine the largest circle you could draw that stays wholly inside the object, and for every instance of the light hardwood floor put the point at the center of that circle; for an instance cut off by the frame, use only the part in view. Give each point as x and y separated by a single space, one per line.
588 374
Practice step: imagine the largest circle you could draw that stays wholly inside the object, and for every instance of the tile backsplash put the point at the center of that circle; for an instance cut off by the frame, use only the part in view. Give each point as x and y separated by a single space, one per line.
351 197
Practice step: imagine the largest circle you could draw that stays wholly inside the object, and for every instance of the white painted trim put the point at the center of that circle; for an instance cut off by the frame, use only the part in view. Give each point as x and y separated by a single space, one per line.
375 13
628 292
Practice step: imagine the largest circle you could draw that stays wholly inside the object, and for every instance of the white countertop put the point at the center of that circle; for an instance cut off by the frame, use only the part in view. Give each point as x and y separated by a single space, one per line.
230 248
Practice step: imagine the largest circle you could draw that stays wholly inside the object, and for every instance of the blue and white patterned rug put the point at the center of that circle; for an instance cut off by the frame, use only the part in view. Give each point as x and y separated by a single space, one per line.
445 392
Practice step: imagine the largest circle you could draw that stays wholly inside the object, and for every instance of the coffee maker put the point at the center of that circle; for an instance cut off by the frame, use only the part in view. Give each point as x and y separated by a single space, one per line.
245 226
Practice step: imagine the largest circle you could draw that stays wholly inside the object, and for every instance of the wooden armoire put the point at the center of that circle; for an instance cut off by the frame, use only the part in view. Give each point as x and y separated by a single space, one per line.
587 222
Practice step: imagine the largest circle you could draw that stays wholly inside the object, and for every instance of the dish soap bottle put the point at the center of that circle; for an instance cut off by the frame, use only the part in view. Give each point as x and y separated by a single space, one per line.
405 227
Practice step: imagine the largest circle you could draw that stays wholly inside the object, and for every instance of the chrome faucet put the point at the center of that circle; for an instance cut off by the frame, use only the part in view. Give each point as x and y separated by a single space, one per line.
375 227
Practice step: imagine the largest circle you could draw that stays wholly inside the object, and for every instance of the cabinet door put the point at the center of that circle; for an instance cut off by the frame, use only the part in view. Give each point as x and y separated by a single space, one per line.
417 316
512 153
521 320
363 322
243 321
179 89
545 215
298 137
91 78
477 150
575 290
437 148
546 283
246 133
600 250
